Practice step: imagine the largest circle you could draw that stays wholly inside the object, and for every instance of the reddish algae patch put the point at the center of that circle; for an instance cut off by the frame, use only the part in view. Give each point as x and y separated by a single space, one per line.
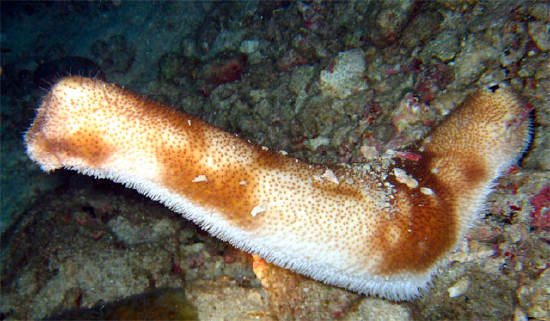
541 208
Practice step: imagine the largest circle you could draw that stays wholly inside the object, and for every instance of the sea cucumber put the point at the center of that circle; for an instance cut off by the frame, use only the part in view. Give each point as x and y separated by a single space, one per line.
378 228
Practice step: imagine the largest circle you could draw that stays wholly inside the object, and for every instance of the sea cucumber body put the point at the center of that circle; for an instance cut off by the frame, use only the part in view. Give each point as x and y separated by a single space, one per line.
380 228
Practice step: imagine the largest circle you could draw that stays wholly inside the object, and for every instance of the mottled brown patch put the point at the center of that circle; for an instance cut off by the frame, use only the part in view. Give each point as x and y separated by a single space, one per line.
474 173
456 162
223 191
84 143
92 149
427 232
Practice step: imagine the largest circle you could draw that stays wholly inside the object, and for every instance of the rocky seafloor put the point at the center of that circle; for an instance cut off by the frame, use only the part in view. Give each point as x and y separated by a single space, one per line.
328 82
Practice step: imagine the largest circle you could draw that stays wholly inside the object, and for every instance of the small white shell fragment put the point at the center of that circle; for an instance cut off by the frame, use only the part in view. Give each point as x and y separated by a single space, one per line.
402 177
515 235
258 209
314 143
427 191
243 183
200 178
189 122
459 288
330 176
369 151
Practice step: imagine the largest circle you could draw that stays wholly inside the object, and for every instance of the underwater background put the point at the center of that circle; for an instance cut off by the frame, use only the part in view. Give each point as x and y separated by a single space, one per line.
328 82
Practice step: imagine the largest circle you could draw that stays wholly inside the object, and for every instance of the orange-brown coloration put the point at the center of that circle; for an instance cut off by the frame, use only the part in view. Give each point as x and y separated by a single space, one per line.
343 225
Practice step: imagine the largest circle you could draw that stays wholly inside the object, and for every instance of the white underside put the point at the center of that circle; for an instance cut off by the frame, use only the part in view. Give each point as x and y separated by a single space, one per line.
274 248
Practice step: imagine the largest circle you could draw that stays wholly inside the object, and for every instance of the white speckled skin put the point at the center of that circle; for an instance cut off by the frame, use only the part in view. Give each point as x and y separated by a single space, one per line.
351 227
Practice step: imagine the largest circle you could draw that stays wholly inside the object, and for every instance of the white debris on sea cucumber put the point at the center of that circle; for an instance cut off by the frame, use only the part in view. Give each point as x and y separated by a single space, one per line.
402 177
258 209
330 176
427 191
200 178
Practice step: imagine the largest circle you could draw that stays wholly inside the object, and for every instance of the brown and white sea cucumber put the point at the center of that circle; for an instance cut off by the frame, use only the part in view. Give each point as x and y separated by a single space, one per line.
378 228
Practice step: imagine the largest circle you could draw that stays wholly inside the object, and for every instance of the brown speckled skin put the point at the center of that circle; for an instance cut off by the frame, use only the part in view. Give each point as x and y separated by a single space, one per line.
351 229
